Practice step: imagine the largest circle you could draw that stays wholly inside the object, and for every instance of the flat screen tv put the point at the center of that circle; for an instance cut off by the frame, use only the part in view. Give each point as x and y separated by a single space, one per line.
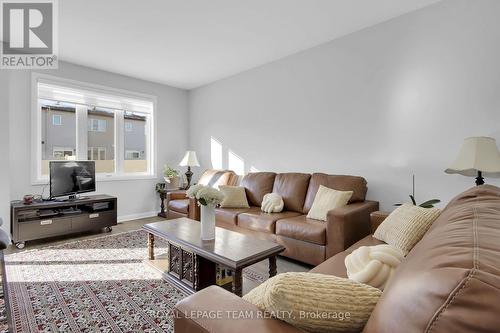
71 178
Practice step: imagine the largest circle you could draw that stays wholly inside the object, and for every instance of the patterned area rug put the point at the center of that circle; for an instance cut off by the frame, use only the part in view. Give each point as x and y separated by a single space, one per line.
96 285
3 312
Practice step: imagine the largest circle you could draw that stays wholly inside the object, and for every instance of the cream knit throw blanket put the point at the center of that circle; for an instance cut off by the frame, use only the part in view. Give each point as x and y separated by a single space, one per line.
373 265
272 203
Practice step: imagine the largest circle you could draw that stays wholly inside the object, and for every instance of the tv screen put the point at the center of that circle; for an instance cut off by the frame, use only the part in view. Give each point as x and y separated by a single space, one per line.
71 177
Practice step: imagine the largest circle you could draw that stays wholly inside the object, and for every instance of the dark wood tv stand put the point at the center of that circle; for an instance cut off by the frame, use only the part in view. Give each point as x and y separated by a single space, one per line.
54 218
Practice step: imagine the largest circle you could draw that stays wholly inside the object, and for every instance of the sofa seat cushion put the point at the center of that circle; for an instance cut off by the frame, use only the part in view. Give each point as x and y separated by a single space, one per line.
257 220
228 215
367 241
302 228
181 206
336 264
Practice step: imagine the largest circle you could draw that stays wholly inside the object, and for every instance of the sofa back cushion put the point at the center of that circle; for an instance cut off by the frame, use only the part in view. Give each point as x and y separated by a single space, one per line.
256 185
337 182
450 281
292 187
214 178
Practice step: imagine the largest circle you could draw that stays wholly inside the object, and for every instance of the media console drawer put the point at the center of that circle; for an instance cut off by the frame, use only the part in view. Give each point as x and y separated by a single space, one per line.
95 220
44 227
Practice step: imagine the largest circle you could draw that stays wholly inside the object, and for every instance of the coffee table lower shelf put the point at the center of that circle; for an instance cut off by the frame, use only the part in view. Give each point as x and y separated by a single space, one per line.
191 272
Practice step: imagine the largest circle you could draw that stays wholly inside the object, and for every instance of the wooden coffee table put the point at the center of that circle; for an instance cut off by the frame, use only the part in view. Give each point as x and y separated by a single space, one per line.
192 262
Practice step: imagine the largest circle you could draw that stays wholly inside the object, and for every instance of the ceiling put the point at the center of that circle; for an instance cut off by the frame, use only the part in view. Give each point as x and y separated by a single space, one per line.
189 43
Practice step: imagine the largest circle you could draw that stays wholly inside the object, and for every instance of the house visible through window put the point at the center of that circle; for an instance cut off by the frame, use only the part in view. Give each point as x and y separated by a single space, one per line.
60 153
117 135
132 155
96 154
57 120
97 125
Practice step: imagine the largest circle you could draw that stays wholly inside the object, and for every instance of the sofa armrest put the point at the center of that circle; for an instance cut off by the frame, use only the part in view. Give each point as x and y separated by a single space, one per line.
216 310
177 195
376 218
194 209
347 225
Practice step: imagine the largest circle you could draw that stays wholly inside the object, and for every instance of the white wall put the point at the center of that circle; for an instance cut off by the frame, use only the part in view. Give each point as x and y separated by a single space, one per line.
4 151
135 197
384 103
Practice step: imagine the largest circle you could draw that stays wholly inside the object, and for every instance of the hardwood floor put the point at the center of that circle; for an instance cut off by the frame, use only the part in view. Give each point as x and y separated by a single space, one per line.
261 268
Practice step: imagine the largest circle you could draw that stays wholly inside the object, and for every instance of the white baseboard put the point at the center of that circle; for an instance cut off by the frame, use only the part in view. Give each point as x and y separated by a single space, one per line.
130 217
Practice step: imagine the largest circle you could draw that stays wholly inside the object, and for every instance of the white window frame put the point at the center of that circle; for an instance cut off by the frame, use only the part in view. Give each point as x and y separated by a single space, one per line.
82 124
54 117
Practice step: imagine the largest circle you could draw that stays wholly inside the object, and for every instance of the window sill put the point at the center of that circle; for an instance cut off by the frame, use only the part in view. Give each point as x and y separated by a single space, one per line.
106 178
110 178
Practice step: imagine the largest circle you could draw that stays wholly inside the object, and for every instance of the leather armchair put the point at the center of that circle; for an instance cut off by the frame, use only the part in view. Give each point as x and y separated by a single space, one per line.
179 205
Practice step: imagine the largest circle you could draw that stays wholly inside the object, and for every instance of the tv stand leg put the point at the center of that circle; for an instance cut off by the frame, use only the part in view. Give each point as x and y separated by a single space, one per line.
108 229
20 245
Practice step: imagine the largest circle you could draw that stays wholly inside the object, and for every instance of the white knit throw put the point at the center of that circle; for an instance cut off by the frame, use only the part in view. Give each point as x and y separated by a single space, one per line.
373 265
272 203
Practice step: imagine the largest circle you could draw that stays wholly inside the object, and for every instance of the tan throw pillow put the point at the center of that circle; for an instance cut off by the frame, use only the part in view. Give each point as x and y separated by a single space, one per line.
406 225
316 302
327 199
234 197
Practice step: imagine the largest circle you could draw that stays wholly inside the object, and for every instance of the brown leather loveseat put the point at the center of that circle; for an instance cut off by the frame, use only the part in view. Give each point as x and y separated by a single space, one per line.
449 282
307 240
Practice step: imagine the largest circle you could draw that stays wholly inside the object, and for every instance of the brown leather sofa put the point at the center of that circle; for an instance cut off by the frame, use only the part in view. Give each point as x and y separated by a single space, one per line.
307 240
449 282
179 205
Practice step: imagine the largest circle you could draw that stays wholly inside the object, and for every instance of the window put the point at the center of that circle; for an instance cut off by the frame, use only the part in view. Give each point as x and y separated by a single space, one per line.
57 120
96 154
81 121
101 138
97 125
57 137
61 153
135 142
132 155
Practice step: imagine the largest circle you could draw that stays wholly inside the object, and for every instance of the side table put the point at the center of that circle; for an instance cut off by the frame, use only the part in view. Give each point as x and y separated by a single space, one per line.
162 190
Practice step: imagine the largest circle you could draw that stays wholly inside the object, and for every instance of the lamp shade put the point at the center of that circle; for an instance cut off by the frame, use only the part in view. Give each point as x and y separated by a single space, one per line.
190 159
477 154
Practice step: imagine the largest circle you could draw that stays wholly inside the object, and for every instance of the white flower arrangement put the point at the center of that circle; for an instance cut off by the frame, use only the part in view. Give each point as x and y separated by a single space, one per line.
205 195
191 192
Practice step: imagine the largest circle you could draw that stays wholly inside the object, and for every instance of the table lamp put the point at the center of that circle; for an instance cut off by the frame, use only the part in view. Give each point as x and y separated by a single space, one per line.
478 156
189 160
